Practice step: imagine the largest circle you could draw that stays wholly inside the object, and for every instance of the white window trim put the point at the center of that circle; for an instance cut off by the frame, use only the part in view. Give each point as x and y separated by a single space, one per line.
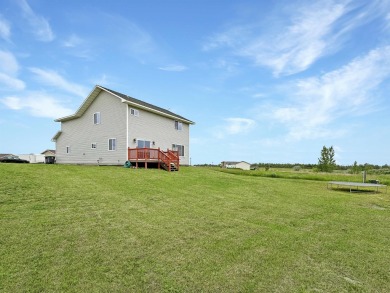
98 118
114 144
134 112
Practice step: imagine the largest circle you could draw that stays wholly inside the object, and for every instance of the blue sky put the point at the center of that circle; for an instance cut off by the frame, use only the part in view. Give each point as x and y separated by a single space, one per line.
265 81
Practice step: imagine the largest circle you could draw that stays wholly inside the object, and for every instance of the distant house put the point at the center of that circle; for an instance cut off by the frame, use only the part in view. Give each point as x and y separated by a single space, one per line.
237 165
111 128
33 158
50 156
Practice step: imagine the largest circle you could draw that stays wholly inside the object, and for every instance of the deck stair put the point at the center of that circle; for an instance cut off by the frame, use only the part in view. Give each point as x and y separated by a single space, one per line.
168 160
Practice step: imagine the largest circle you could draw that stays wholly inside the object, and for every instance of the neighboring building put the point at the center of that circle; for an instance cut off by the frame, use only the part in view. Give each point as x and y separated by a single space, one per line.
50 156
33 158
237 165
109 123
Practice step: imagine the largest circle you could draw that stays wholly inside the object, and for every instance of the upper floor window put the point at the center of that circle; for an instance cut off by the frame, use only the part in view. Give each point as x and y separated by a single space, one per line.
178 125
96 118
112 144
134 112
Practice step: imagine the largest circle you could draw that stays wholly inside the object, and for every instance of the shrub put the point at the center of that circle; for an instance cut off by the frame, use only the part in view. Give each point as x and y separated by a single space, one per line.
297 168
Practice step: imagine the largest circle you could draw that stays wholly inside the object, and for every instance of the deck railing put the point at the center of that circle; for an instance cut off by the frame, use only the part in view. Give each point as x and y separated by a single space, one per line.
146 155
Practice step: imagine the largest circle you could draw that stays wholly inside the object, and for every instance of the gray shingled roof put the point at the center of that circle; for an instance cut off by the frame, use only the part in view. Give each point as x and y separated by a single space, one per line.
142 103
132 101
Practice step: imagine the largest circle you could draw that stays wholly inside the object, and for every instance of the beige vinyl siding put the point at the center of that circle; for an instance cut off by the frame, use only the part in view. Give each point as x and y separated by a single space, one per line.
243 166
161 130
81 132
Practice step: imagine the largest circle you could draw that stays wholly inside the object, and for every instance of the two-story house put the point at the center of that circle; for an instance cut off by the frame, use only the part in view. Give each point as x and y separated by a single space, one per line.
111 128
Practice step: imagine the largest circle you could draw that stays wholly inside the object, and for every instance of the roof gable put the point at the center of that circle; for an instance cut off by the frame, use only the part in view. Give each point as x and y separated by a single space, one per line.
127 99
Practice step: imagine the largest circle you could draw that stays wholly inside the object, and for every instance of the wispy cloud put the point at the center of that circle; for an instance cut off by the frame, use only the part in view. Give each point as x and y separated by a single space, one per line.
37 104
234 126
9 70
72 41
8 62
320 101
11 82
129 37
39 25
52 78
175 68
312 30
79 47
5 28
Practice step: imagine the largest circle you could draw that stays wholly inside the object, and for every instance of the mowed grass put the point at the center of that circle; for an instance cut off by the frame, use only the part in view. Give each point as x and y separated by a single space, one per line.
111 229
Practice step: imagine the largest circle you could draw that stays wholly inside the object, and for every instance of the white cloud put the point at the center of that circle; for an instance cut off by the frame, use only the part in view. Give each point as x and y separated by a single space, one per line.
11 82
234 126
129 37
9 70
73 41
345 92
79 47
311 30
8 62
239 125
5 29
37 104
52 78
176 68
39 25
304 41
387 22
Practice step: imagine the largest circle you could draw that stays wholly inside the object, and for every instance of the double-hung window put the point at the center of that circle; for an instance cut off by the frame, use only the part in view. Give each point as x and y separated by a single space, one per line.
178 125
134 112
112 144
179 148
96 118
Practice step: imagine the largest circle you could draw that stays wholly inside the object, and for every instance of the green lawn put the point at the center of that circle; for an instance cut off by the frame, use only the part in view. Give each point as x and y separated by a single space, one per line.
111 229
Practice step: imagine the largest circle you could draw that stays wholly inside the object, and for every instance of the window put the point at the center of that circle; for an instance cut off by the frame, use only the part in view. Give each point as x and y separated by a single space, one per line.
143 143
112 144
178 125
96 118
179 148
68 149
93 146
134 112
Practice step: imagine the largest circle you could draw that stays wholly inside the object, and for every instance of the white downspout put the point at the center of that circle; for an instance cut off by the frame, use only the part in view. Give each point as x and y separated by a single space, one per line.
127 132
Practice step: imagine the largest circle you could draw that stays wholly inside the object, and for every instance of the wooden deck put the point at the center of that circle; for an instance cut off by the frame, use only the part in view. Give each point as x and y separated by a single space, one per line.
168 160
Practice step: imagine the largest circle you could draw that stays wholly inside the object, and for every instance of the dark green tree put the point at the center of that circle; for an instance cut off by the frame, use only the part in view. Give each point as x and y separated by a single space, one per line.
355 168
326 163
